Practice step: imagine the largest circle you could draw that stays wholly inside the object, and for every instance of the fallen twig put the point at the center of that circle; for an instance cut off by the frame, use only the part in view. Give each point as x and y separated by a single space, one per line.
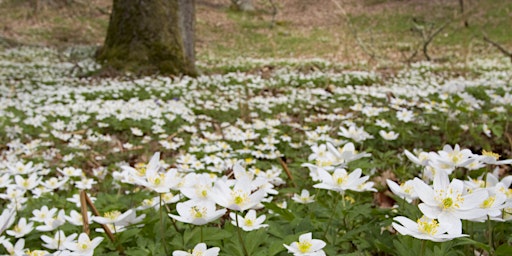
500 47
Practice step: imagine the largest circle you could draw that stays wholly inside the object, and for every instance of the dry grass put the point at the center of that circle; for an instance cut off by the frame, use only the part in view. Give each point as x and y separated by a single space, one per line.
344 30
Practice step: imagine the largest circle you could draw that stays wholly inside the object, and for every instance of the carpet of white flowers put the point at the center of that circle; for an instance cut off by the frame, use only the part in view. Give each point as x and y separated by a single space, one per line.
265 157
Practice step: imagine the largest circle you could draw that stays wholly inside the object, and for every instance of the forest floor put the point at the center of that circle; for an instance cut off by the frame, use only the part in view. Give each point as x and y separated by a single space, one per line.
369 31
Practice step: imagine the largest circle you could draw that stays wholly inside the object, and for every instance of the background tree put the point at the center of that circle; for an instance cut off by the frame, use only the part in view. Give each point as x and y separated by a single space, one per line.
150 36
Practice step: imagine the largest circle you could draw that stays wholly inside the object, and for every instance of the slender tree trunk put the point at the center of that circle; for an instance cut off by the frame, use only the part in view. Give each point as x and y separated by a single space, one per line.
150 36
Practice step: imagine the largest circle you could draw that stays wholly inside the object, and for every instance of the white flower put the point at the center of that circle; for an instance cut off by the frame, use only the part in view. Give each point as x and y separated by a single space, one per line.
345 154
53 223
5 180
54 182
391 135
404 190
21 229
7 219
424 228
57 242
84 246
43 214
136 131
306 246
29 183
130 218
405 115
303 198
75 218
382 123
239 197
249 222
422 158
85 183
112 217
321 156
17 250
154 179
199 250
197 212
341 180
486 130
447 202
355 133
449 158
489 157
71 172
197 187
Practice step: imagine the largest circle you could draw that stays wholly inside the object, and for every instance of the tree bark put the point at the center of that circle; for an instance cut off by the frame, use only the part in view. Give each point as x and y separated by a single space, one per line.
150 36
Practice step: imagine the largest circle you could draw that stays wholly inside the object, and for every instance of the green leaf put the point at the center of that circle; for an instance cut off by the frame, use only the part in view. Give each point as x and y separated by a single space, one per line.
135 251
127 234
275 248
211 233
504 250
287 215
191 235
468 241
497 130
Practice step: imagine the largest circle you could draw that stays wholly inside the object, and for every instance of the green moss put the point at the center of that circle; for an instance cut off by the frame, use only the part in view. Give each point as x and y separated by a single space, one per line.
142 44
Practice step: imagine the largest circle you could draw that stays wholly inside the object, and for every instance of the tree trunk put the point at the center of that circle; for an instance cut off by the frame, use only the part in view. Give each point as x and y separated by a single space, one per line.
151 36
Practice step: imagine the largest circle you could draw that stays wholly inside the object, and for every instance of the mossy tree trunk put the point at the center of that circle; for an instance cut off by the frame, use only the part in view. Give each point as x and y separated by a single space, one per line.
150 36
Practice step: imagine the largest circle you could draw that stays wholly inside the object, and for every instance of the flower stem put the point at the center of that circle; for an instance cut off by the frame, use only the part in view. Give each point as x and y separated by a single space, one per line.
240 236
162 225
491 237
423 247
201 227
332 215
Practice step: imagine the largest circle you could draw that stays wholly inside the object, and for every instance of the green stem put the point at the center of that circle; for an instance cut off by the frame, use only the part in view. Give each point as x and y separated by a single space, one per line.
162 228
491 237
201 227
240 236
423 247
332 215
173 221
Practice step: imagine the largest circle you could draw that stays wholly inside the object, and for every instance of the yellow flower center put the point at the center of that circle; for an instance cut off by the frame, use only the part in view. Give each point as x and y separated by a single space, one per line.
112 215
323 163
447 202
304 246
83 246
141 169
240 197
427 227
248 222
406 188
491 154
488 202
198 212
456 157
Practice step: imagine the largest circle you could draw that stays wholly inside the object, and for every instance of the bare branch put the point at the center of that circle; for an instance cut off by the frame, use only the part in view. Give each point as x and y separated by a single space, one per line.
431 37
359 42
500 47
